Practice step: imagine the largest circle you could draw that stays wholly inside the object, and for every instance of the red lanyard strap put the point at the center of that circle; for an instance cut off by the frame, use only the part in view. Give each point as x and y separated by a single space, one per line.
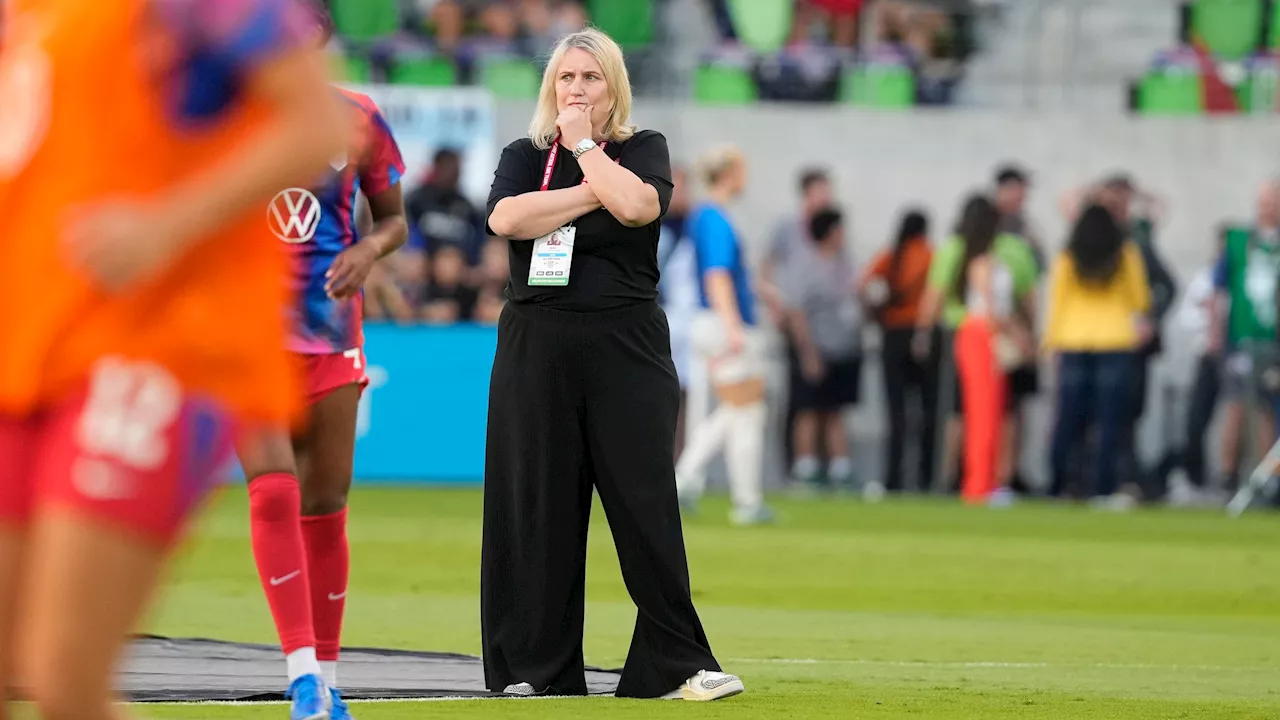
551 163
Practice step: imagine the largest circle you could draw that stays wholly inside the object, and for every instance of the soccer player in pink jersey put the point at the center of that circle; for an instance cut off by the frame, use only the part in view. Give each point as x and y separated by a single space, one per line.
299 479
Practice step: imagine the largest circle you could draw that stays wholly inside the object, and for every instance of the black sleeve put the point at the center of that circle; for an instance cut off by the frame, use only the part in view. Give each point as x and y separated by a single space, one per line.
1164 289
514 176
646 155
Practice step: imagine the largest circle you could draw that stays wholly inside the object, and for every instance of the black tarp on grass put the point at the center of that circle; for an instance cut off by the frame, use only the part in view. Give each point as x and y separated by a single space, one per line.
191 670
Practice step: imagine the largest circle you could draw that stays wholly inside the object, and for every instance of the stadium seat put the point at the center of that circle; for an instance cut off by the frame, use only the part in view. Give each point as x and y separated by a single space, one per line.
1231 29
354 69
717 84
510 78
879 86
630 22
362 20
1174 93
428 72
762 25
1258 94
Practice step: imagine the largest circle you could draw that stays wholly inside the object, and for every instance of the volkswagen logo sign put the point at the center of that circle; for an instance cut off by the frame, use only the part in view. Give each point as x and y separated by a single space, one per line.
294 215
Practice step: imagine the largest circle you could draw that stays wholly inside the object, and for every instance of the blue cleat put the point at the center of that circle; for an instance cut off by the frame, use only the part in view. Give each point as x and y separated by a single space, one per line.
339 709
309 696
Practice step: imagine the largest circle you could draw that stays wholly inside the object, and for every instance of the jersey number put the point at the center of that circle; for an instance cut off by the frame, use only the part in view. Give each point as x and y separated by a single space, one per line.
26 80
128 413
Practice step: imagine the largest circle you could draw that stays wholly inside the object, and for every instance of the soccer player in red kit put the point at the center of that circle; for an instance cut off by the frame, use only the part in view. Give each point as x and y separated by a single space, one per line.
299 480
143 300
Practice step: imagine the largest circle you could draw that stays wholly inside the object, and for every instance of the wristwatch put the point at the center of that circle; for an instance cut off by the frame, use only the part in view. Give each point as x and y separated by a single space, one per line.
583 146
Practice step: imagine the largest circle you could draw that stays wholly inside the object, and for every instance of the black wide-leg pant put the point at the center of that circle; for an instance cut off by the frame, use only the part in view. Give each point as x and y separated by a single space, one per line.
582 401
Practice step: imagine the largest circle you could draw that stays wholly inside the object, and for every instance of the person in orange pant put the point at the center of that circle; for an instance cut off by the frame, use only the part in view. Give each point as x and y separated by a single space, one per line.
988 342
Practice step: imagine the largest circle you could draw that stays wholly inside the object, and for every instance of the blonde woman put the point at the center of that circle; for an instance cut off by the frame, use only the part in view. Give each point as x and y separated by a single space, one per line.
584 395
727 341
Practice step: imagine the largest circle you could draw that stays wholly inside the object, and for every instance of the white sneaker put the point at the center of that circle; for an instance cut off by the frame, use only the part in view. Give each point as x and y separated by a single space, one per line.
707 686
1182 493
747 517
520 690
873 491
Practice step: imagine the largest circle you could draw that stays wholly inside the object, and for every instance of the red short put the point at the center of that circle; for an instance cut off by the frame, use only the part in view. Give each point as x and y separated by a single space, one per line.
131 449
325 373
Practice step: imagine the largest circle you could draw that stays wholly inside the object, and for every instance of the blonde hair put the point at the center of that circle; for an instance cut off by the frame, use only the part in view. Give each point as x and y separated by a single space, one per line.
617 127
715 162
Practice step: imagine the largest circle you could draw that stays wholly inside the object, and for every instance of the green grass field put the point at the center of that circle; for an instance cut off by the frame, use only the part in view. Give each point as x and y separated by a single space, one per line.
912 609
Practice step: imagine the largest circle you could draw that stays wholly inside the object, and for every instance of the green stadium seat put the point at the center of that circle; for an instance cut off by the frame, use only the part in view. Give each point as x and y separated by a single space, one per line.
427 72
1258 94
1231 29
511 78
354 69
879 86
1175 93
717 84
629 22
363 20
762 25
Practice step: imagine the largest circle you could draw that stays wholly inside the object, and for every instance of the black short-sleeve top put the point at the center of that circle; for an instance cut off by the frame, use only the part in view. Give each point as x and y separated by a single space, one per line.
614 266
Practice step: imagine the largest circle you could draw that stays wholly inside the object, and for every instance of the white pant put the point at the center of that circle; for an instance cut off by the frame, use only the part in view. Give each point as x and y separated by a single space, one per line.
737 429
711 343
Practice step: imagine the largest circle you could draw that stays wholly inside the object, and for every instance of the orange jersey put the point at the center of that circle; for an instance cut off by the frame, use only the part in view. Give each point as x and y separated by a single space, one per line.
109 108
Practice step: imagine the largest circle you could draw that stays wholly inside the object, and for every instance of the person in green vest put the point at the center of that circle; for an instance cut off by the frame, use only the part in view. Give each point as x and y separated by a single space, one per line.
1244 319
942 306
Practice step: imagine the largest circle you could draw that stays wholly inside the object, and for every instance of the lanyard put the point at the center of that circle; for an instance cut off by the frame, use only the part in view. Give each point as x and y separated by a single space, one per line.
551 163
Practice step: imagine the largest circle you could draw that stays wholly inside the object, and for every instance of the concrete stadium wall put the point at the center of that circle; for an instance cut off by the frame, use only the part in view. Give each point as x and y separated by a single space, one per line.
1206 169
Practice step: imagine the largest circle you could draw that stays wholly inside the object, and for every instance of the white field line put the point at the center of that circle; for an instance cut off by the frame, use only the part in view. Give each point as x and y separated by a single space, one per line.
991 664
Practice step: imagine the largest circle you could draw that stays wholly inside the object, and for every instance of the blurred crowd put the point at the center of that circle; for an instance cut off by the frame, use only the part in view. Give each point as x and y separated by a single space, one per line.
468 27
450 270
928 38
969 324
974 322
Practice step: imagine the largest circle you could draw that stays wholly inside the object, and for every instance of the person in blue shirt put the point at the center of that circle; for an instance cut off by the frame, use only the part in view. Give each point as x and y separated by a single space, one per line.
727 340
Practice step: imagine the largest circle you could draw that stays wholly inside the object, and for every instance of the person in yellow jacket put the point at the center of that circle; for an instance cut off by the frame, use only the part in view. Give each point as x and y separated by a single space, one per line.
1097 319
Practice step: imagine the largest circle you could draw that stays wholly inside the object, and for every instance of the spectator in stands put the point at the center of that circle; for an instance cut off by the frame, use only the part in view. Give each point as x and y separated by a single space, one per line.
383 299
449 298
925 37
893 287
678 289
991 339
1012 185
440 215
840 18
1098 317
825 321
546 21
505 26
723 20
1243 319
491 281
